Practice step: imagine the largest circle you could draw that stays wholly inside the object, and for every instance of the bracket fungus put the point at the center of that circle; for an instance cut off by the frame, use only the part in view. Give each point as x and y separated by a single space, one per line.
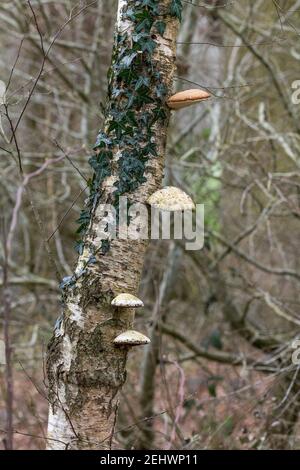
131 338
171 199
127 301
187 98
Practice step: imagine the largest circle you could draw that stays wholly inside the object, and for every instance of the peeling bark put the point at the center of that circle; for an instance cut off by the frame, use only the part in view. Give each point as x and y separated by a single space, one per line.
85 370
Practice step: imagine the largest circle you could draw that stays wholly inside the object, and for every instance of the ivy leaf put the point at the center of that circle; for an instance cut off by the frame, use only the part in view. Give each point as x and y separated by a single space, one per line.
142 81
127 60
102 140
144 25
84 217
81 229
58 321
116 92
143 98
130 101
131 118
176 9
118 127
149 3
130 14
158 113
79 245
161 90
92 260
149 46
150 149
160 26
136 37
66 281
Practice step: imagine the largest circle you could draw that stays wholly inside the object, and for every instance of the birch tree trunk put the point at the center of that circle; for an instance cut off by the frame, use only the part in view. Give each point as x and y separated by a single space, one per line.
85 370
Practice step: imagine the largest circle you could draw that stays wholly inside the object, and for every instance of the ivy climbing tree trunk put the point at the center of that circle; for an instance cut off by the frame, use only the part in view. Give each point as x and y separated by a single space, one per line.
85 370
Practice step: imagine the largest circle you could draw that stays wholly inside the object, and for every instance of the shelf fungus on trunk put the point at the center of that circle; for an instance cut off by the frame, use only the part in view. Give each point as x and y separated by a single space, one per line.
171 199
186 98
127 301
125 305
131 338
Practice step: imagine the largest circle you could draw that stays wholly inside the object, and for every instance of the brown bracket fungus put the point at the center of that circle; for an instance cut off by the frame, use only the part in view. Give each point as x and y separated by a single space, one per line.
171 199
131 338
187 98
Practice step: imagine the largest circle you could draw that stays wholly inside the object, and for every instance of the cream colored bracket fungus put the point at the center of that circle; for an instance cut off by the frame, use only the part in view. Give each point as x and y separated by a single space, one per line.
127 301
187 98
171 199
131 338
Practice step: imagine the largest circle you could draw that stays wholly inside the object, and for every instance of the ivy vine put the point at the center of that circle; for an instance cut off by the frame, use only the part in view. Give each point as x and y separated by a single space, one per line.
134 83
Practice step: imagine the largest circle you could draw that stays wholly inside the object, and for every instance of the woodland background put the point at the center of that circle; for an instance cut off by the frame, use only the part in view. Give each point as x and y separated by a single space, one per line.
219 372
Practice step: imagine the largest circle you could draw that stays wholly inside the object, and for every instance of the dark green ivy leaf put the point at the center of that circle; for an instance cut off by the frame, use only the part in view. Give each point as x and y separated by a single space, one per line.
79 245
67 281
127 60
161 90
160 27
148 46
102 140
142 81
144 26
149 3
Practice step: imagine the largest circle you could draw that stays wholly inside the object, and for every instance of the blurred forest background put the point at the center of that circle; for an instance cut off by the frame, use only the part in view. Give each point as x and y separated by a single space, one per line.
222 320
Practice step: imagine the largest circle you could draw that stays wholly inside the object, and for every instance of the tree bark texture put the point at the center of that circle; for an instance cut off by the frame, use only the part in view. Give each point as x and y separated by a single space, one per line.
85 370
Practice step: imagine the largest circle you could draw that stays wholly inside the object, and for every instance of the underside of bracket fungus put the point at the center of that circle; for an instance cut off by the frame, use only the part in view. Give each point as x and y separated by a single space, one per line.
171 199
187 98
131 338
127 301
